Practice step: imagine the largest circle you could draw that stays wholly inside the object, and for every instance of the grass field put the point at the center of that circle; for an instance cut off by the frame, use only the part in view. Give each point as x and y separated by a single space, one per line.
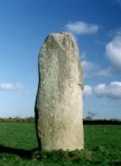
18 140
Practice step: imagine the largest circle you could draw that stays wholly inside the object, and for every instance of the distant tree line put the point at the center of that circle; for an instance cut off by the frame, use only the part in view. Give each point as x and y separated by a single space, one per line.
86 121
17 119
102 121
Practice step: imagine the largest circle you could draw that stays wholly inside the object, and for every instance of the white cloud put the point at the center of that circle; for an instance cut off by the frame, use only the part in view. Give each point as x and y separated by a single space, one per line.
91 69
112 90
10 86
81 27
100 89
113 51
104 72
87 90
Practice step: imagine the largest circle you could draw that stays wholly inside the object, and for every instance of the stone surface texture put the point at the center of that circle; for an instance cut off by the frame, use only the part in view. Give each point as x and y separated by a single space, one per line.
59 98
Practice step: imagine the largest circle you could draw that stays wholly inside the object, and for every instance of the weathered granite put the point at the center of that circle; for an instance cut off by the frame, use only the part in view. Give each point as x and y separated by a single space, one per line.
59 98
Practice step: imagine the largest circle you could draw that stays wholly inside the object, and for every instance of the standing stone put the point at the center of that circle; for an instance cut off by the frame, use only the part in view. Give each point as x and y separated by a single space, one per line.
59 98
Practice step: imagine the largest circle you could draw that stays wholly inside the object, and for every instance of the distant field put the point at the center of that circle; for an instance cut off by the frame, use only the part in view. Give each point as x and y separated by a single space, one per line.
102 147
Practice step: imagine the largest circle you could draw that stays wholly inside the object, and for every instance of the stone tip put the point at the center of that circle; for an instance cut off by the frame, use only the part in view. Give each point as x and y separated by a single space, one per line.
65 39
62 35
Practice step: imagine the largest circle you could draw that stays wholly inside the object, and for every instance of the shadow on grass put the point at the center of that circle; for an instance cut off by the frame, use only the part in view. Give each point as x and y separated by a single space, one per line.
25 154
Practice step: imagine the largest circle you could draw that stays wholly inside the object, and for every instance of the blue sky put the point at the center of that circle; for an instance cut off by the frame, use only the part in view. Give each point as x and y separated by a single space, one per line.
97 27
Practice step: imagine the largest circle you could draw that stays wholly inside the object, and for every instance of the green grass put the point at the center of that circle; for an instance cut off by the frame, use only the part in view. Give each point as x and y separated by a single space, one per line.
102 147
